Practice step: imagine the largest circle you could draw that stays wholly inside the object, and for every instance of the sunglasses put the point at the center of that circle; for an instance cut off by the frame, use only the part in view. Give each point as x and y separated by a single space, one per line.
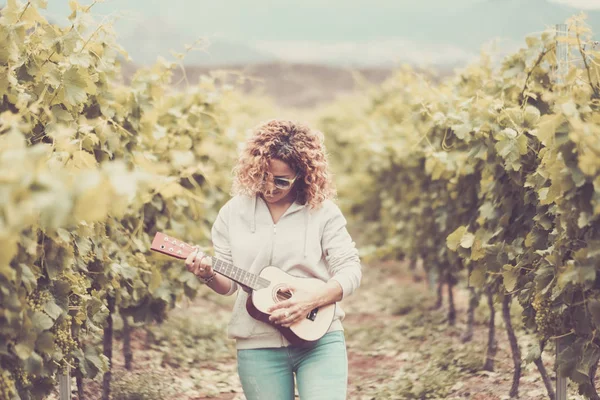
284 183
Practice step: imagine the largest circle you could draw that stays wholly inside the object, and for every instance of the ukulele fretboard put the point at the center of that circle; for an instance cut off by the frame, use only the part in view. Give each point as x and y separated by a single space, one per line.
239 275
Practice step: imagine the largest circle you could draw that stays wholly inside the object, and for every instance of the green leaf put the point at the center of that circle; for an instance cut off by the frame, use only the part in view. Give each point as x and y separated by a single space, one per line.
547 127
64 235
53 310
27 277
53 268
534 353
462 130
590 357
124 270
510 147
569 108
45 342
94 363
155 281
25 347
467 240
77 85
84 246
576 274
543 278
511 276
94 305
593 306
567 361
478 276
41 321
455 238
581 320
34 364
531 116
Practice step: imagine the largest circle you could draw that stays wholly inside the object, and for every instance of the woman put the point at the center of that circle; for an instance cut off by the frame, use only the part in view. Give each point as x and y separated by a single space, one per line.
282 214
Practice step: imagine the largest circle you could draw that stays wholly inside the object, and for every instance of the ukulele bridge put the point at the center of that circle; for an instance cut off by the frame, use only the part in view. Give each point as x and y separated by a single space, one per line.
313 314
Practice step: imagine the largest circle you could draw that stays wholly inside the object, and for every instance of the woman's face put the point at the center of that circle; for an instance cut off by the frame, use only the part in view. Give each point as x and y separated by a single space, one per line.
279 169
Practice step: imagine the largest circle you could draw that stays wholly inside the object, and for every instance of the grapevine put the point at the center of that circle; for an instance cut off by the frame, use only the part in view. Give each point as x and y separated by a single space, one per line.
7 385
492 177
96 178
38 299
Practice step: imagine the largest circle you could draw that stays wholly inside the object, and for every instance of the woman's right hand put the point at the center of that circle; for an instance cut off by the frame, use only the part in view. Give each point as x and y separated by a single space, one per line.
199 264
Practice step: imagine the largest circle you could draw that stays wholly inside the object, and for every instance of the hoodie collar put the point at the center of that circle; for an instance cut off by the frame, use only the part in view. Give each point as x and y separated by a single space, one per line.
295 206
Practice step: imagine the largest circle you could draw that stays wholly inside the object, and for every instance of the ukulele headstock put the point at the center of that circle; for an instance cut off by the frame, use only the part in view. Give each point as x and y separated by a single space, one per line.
170 246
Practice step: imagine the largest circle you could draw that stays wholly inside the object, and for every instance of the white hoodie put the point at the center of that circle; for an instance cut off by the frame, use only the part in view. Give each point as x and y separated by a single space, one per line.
305 242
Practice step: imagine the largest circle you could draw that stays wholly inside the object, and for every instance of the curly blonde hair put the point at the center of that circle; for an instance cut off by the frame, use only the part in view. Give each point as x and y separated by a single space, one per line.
295 144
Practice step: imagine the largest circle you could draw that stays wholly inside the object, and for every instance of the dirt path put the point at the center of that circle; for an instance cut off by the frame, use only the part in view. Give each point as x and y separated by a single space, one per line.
398 348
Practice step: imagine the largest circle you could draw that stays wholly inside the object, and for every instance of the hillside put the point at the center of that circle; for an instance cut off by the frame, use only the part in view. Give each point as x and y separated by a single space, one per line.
290 85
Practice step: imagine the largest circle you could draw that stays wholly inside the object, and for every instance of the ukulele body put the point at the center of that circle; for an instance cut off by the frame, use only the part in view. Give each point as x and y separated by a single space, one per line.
308 329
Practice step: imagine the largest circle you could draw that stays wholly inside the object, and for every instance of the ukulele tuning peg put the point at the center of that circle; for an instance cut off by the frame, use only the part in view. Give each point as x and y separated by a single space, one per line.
170 249
179 252
181 245
166 239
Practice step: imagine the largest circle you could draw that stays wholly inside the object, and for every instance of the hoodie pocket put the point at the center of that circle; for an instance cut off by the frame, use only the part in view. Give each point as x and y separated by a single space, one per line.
242 325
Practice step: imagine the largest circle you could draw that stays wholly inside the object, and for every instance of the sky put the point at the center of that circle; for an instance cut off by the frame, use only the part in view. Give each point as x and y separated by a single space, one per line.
583 4
358 32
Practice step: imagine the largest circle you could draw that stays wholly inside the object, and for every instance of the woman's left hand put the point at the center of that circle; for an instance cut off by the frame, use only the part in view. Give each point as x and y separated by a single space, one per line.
287 312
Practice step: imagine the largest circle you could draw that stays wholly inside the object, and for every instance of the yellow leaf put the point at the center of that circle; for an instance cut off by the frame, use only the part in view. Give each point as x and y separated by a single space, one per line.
510 276
94 200
11 12
40 3
477 251
32 16
547 128
74 5
82 160
172 189
155 281
589 162
8 250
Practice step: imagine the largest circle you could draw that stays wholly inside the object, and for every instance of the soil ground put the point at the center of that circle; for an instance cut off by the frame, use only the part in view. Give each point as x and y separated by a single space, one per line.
398 348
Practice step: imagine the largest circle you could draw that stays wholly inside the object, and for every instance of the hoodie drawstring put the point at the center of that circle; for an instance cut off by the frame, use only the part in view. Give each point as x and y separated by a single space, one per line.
306 219
253 222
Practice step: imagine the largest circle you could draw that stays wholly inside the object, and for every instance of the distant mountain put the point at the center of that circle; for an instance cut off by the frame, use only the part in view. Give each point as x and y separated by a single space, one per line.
292 85
155 37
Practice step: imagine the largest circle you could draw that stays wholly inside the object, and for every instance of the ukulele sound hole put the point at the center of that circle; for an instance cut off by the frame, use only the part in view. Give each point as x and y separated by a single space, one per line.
282 294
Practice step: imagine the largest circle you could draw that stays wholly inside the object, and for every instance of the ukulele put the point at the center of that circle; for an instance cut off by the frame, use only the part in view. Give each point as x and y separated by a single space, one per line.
267 288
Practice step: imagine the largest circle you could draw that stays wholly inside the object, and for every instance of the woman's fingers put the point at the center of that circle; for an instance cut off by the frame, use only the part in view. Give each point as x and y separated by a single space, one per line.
283 304
189 261
195 263
202 266
286 316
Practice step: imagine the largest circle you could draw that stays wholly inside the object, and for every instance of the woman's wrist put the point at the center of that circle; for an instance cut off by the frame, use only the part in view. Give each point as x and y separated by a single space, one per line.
208 279
330 293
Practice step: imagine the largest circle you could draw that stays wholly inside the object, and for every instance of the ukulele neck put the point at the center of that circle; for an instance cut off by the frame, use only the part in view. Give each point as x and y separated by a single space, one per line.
238 275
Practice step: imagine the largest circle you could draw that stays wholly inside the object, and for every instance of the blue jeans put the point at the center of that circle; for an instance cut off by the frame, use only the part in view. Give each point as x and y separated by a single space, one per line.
321 370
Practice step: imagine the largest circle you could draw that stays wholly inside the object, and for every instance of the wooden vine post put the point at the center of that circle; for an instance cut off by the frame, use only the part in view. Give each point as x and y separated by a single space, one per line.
64 385
562 68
